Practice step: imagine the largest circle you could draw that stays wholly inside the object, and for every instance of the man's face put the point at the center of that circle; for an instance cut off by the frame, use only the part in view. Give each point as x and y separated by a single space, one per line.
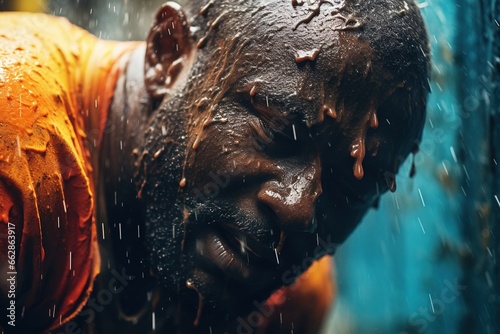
291 136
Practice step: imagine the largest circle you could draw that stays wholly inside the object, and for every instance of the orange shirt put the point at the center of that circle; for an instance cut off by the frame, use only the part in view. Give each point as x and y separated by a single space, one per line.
56 84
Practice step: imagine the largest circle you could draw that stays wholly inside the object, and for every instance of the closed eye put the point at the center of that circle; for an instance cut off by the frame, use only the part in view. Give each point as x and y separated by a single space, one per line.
276 142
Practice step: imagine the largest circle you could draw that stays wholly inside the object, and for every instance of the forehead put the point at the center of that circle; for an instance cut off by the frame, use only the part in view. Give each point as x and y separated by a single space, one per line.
302 65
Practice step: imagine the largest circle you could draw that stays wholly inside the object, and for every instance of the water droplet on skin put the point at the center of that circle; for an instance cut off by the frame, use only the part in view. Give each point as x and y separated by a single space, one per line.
159 67
206 123
197 141
185 218
253 91
303 56
358 152
202 103
373 120
314 12
174 70
358 148
330 112
157 153
182 183
202 41
315 9
190 285
349 23
204 9
368 69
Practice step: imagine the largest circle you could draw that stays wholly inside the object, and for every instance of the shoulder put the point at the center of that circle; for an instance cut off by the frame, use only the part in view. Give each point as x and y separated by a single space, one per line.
45 191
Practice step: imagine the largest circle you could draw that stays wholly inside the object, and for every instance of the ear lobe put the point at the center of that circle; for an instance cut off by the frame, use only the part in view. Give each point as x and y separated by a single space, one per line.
168 45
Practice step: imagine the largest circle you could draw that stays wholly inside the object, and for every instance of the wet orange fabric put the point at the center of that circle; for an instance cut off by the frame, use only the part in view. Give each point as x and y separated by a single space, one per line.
303 306
56 83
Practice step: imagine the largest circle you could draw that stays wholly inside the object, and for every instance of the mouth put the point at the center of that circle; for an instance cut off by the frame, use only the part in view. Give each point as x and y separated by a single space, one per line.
232 256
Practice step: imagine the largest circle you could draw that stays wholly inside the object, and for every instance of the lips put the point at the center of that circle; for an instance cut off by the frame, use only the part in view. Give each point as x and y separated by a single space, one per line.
231 255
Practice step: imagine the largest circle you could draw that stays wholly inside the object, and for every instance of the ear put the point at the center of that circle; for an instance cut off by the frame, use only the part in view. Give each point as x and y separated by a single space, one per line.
168 46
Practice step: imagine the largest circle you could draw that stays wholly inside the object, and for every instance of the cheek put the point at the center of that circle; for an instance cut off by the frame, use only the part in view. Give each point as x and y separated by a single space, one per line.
222 148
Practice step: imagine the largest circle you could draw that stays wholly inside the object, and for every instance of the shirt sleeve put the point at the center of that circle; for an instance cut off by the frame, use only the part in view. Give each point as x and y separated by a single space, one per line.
46 200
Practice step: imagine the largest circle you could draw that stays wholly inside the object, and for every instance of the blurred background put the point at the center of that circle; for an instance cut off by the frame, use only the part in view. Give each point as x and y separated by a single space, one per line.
427 260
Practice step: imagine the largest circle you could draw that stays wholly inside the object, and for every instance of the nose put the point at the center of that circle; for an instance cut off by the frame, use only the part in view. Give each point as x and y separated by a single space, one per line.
292 198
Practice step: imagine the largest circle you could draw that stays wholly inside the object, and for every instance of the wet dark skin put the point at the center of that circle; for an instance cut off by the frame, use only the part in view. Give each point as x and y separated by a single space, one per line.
247 142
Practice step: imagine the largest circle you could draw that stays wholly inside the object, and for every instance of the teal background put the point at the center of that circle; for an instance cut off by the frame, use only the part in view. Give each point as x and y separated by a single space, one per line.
427 260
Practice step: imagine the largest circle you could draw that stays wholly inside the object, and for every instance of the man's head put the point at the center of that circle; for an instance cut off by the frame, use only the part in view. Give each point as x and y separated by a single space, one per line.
275 126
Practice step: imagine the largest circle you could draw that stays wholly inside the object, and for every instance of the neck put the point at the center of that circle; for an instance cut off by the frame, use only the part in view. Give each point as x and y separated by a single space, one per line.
99 73
121 237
